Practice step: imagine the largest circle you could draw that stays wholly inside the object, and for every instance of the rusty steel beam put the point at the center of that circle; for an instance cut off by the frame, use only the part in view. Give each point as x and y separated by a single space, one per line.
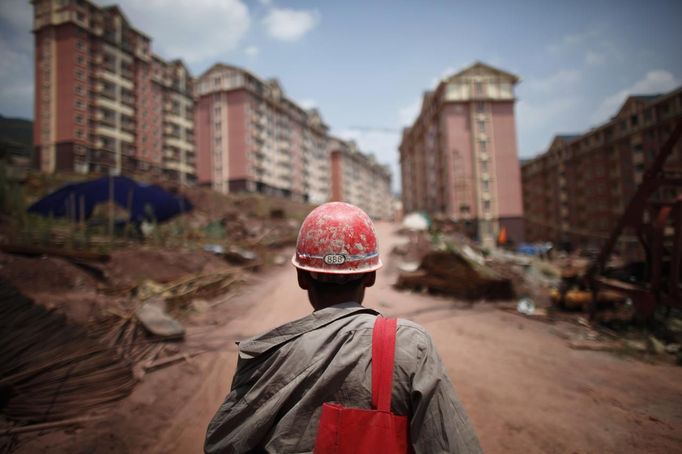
676 255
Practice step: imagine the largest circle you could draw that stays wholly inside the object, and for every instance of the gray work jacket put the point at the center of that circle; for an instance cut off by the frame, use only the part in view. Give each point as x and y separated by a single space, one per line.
285 375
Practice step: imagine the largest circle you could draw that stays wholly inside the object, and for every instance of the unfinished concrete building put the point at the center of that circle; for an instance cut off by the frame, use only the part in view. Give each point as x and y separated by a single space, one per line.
459 159
103 102
575 192
357 178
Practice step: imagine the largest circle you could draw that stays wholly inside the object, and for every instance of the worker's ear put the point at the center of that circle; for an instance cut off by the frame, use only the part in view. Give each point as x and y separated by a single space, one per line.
303 279
370 279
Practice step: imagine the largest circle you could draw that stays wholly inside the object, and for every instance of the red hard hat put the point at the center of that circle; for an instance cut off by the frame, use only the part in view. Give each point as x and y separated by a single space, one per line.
337 238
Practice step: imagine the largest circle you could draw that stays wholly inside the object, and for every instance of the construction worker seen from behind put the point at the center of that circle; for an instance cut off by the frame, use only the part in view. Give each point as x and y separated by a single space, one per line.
321 366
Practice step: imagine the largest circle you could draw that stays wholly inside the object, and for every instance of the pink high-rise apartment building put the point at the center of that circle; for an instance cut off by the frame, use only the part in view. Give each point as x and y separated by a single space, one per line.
357 178
103 101
251 137
459 159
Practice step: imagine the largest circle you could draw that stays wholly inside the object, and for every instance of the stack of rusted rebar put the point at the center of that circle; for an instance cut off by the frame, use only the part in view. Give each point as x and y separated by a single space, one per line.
51 369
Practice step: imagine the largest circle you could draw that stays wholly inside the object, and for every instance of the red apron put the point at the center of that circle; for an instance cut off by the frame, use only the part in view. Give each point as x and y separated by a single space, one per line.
376 431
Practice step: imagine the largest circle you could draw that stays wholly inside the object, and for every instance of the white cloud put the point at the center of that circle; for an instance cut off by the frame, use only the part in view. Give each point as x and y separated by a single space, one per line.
557 82
252 51
535 119
383 143
308 103
537 115
449 71
594 58
409 113
656 81
569 42
289 24
197 31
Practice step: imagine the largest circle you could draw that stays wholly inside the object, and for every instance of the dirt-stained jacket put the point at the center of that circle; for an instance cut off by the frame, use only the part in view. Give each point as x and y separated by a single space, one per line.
285 375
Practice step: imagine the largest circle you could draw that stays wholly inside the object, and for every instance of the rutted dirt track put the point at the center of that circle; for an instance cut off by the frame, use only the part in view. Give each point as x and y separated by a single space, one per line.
524 389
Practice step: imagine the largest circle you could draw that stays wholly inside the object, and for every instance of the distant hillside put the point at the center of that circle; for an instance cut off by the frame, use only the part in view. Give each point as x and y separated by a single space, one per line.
16 134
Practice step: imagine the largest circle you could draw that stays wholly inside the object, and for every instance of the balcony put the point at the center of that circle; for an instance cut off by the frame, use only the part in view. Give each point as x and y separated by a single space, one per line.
108 121
128 75
108 93
129 127
128 100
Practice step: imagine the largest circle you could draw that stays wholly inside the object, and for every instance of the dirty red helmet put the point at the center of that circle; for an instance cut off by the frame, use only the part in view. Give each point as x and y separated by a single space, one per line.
337 238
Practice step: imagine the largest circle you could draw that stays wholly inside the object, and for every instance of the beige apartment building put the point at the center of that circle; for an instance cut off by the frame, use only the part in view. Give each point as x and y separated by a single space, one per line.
103 101
358 179
251 137
459 159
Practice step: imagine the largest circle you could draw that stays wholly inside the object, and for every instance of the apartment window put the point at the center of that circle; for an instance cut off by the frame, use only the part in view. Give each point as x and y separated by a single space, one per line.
79 89
484 166
486 206
479 88
79 119
79 74
80 45
482 146
216 81
79 104
480 107
485 185
79 133
481 126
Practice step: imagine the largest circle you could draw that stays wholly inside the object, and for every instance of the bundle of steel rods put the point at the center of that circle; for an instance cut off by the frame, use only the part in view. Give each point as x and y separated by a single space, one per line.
51 369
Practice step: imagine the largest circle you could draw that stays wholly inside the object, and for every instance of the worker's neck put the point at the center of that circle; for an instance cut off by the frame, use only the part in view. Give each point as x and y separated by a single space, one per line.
324 300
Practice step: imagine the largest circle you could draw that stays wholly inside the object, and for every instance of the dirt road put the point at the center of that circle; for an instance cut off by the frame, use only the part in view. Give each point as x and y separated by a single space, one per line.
524 389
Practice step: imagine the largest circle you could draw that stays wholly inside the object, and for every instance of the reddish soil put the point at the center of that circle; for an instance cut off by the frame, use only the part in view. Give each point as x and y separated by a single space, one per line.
59 284
524 389
133 265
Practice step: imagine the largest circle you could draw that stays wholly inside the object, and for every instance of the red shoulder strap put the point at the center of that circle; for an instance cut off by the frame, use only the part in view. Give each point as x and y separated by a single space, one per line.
383 355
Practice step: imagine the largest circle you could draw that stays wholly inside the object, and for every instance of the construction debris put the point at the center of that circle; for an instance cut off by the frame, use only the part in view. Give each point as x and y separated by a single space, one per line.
37 251
416 222
15 430
156 320
525 306
189 287
51 369
452 273
240 256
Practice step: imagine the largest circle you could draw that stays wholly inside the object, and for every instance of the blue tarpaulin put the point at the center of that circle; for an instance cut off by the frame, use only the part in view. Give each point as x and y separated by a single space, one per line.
144 201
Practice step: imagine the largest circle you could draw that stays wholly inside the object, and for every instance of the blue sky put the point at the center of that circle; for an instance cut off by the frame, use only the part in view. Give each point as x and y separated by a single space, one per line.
365 64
